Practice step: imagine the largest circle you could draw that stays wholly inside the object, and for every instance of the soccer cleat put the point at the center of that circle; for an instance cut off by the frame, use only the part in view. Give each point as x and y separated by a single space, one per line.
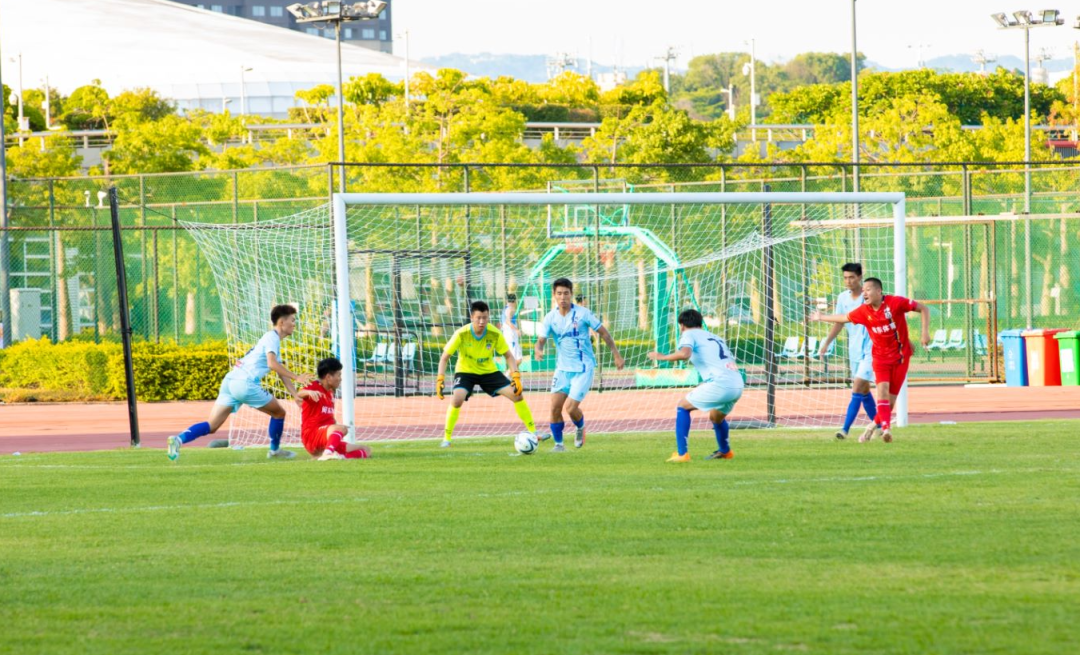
558 448
868 433
280 454
841 434
679 459
579 437
330 454
886 435
719 455
445 443
543 437
174 447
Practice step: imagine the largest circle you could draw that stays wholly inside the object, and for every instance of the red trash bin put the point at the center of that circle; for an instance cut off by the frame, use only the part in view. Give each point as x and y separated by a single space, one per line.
1043 358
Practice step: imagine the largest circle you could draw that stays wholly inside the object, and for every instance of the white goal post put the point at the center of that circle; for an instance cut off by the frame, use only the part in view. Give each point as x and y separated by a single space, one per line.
341 204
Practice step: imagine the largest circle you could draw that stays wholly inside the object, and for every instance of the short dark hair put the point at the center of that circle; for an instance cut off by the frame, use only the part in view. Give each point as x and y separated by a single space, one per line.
874 281
478 306
852 267
580 298
328 366
691 318
281 311
511 297
562 282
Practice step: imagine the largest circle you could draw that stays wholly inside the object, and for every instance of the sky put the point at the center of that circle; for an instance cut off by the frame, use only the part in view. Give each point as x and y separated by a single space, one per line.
637 31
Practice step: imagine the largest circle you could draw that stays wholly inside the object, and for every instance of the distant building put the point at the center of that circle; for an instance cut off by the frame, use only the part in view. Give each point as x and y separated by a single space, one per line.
373 34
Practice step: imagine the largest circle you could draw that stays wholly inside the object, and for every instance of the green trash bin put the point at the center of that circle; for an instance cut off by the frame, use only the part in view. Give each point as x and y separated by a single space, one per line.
1069 349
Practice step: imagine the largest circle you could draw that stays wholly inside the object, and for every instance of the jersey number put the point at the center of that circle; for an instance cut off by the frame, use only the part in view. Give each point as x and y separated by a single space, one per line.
720 347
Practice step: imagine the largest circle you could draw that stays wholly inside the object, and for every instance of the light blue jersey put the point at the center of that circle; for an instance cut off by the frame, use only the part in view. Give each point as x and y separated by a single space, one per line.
253 365
858 339
711 357
571 335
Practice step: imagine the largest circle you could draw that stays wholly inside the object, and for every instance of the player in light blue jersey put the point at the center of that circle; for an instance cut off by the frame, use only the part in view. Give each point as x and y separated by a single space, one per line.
569 324
862 370
721 384
241 386
508 325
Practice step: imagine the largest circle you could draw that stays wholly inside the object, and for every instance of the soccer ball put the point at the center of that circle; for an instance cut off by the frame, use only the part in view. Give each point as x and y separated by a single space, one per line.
525 443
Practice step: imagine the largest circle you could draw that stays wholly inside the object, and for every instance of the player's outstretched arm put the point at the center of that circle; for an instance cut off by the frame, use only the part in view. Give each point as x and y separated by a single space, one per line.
677 356
538 352
925 311
287 376
440 381
610 341
829 318
834 332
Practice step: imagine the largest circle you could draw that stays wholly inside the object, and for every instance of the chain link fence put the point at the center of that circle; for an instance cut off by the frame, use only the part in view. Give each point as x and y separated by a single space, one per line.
971 243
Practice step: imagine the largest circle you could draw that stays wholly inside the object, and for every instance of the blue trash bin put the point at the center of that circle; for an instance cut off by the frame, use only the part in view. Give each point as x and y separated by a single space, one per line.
1012 345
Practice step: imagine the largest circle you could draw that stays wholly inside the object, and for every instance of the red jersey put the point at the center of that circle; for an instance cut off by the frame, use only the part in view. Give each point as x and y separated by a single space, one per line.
887 328
316 414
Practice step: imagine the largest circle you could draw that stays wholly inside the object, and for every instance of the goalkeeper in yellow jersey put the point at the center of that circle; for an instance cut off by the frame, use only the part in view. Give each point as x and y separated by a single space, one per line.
477 345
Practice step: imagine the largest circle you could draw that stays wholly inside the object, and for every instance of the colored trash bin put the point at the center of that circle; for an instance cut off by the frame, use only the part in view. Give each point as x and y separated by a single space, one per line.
1069 354
1044 365
1012 347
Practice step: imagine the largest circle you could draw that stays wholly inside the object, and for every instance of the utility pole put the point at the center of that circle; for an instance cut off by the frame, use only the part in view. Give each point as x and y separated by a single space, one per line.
668 57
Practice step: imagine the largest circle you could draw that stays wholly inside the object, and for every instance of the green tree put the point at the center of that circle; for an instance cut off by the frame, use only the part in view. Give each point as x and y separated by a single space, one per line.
87 108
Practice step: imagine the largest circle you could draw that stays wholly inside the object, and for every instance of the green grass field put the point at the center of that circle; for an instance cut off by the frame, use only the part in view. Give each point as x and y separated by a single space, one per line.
954 539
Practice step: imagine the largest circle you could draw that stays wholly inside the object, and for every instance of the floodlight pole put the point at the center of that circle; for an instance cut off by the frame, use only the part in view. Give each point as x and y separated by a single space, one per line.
5 254
854 102
407 72
340 110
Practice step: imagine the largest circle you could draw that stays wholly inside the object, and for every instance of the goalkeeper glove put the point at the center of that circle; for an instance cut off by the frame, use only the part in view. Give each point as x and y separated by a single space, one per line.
515 377
439 382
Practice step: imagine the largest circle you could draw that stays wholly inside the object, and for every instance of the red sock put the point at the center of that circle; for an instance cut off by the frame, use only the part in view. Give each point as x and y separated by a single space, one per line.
334 442
356 454
884 413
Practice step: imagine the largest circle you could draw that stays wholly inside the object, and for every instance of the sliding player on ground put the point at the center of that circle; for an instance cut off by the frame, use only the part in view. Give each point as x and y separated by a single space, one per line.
859 355
883 316
241 386
721 384
322 435
476 345
569 324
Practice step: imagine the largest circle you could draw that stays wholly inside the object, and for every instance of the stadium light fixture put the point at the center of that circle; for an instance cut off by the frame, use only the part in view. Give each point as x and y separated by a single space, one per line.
336 13
1025 21
1003 20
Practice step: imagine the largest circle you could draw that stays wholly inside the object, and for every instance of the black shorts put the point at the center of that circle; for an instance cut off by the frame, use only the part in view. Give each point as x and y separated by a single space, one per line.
491 383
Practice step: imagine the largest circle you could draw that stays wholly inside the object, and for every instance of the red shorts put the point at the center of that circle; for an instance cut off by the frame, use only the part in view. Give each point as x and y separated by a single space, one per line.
315 440
894 374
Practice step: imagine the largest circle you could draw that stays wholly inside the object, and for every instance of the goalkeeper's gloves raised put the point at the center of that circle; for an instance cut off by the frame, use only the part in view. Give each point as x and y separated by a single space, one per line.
515 377
439 383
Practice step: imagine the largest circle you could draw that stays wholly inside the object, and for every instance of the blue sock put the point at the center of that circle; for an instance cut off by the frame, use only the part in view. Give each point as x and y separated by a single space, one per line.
194 432
853 407
721 430
682 429
581 423
277 426
869 405
556 431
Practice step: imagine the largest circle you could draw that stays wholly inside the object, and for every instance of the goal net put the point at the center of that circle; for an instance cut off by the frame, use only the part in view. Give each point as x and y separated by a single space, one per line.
381 281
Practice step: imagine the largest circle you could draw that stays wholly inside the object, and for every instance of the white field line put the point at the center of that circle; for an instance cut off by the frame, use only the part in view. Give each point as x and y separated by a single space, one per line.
325 501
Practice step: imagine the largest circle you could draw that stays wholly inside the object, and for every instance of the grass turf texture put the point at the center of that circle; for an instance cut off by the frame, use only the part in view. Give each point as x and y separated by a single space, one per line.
954 539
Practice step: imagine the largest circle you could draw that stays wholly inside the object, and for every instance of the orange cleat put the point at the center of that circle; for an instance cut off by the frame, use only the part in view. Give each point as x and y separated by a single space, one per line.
679 459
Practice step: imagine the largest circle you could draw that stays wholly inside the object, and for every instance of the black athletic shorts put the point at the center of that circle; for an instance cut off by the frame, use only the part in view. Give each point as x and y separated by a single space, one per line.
490 383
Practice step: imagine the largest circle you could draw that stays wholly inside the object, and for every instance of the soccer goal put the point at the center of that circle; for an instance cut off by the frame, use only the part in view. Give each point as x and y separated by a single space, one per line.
382 280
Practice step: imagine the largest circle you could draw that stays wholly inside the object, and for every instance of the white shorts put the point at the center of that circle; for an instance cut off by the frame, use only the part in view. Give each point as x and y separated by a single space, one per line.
863 369
237 390
712 395
572 383
515 347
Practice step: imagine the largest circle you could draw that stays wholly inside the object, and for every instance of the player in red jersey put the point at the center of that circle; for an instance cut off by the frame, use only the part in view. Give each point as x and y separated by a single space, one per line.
884 319
322 435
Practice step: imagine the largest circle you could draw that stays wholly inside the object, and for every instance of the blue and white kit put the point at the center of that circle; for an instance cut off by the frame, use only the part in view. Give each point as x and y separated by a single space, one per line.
241 385
862 364
508 325
722 384
576 361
